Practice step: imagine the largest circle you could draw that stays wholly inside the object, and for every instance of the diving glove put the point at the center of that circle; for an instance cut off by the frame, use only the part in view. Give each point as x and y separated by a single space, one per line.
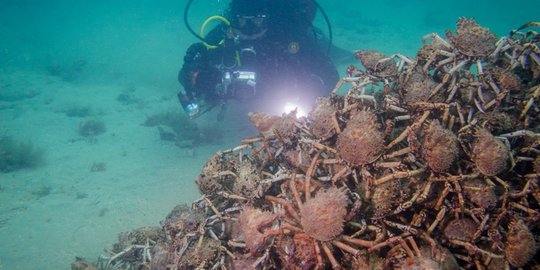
190 105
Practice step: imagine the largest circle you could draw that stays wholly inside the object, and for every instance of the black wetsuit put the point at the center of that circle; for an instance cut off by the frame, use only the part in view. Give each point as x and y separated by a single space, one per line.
288 55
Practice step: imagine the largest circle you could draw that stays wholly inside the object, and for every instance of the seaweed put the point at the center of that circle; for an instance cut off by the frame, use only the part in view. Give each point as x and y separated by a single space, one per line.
209 135
175 122
103 211
178 128
42 192
127 97
78 111
3 222
81 195
92 128
98 167
68 72
15 94
82 264
18 155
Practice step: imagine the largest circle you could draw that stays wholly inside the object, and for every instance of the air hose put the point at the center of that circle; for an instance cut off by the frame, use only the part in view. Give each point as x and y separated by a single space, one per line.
210 44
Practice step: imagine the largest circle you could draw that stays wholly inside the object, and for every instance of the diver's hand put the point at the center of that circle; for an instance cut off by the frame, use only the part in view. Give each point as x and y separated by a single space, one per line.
190 105
193 110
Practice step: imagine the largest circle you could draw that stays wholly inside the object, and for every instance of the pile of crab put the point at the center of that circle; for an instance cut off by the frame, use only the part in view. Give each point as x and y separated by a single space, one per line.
425 163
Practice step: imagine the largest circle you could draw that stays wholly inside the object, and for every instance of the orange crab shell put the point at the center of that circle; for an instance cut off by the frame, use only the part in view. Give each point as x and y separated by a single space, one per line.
370 60
265 123
362 141
321 119
250 221
472 39
440 147
323 215
462 229
520 246
492 156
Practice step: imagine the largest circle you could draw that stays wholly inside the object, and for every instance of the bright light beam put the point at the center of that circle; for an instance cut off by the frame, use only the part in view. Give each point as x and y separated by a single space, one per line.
289 107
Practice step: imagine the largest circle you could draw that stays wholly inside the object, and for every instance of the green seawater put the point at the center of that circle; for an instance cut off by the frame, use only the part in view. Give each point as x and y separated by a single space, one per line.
63 63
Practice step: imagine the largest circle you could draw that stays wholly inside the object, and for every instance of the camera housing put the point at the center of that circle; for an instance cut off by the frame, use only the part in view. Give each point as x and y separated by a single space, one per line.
240 85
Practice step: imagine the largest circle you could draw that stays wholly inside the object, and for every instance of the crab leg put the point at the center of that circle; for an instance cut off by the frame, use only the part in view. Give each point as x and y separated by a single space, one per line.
398 153
214 209
500 43
261 259
439 86
288 207
406 205
458 66
346 247
444 62
405 133
479 106
343 172
425 192
294 191
474 249
331 258
481 228
397 175
479 67
407 249
526 108
320 263
453 91
402 227
385 243
520 133
309 174
430 60
443 195
438 218
535 58
438 38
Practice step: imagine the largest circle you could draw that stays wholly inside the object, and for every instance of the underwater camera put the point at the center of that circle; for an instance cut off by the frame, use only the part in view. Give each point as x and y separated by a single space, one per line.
240 85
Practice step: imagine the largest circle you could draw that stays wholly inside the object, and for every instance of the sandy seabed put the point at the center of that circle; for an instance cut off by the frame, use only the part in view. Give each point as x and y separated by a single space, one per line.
64 208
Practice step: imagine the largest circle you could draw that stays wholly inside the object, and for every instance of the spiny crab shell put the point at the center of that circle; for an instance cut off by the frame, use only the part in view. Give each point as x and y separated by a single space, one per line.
248 181
428 50
497 122
440 147
321 118
506 80
182 219
322 216
362 141
265 123
520 244
491 155
206 181
471 39
284 128
304 255
251 220
208 250
480 194
419 86
381 205
461 229
370 60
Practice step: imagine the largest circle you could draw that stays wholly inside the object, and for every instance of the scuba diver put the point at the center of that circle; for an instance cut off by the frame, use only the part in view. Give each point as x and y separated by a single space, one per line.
264 49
